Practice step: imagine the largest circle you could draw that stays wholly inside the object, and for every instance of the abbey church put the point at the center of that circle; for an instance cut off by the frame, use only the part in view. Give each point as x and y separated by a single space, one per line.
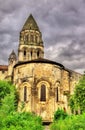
43 85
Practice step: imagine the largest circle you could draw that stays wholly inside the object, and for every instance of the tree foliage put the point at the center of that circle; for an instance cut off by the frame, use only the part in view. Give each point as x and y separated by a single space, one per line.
8 96
20 121
77 100
79 94
10 118
73 122
5 88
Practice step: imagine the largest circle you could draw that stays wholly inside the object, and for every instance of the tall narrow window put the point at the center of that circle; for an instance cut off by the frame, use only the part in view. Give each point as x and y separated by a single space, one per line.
38 54
57 98
31 53
25 93
24 52
43 93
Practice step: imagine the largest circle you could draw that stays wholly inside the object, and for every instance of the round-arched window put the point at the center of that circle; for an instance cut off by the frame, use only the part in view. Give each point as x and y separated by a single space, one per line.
25 93
43 93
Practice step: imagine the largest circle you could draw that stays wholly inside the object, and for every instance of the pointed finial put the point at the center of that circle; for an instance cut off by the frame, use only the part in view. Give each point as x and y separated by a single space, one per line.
30 24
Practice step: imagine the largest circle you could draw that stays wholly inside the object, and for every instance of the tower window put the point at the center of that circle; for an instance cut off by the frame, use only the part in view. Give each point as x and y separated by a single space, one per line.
25 93
24 52
57 98
43 93
31 54
37 53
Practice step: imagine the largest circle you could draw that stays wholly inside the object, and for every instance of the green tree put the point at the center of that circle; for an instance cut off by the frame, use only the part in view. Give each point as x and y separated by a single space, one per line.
7 100
79 94
22 121
10 118
77 100
4 89
72 122
8 93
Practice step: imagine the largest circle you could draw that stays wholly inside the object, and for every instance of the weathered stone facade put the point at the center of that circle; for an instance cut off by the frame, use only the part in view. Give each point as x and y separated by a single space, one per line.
43 85
3 71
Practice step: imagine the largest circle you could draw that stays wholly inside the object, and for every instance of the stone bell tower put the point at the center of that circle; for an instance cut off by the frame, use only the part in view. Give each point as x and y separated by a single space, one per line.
30 42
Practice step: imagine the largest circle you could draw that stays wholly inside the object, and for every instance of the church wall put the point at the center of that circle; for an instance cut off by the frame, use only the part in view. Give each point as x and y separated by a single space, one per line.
36 75
3 74
74 79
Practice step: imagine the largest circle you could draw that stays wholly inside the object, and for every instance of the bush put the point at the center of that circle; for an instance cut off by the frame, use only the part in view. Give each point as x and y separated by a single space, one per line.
77 100
10 119
22 121
60 114
5 89
76 122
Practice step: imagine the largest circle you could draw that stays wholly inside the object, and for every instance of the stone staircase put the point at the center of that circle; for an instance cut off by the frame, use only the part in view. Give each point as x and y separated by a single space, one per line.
47 127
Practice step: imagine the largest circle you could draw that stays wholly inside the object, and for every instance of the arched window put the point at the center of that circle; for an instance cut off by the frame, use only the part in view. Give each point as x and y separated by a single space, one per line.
57 98
25 93
43 93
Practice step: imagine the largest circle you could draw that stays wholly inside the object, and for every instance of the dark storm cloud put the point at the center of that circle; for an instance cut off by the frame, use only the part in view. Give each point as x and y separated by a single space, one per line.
62 23
72 55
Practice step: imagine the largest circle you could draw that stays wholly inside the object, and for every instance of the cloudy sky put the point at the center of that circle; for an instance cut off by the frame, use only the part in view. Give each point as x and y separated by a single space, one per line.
62 23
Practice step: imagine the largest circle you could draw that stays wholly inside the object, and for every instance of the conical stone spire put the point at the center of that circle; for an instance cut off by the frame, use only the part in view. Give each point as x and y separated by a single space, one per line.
30 24
12 58
12 55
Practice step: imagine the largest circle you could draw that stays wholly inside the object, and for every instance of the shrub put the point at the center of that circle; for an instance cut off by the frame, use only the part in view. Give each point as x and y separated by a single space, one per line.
60 114
77 100
10 119
75 122
22 121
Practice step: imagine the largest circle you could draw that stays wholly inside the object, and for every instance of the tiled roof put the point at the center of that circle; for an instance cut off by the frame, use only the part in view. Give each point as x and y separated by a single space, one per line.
4 67
41 60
